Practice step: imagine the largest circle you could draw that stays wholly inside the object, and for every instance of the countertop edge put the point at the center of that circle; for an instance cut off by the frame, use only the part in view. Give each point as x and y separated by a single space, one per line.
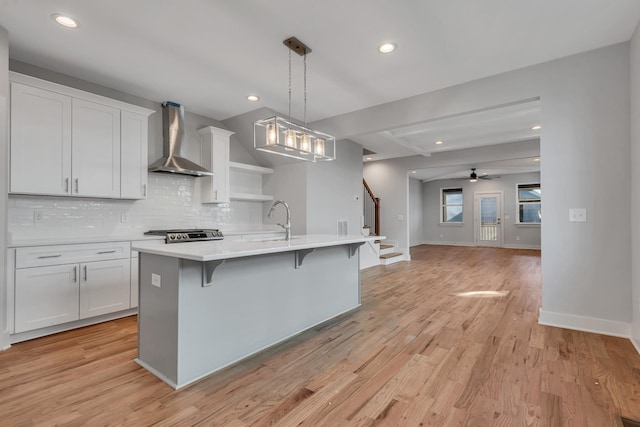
220 250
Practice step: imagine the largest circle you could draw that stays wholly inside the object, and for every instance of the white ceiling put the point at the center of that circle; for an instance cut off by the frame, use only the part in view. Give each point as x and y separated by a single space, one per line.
210 54
492 169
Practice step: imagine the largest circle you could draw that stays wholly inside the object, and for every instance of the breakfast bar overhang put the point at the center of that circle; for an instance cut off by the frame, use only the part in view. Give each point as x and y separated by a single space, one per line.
206 305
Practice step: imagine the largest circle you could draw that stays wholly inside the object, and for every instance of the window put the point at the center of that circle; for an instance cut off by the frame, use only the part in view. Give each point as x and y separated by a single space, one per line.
452 205
529 204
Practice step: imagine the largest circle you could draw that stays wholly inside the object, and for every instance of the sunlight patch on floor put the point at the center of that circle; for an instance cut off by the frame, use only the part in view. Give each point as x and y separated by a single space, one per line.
482 294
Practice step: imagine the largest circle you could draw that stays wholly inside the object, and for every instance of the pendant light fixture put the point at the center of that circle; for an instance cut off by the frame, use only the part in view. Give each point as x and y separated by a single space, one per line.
286 138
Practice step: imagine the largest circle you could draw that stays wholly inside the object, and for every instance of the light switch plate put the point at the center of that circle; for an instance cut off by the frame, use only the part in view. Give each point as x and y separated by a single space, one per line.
577 215
156 279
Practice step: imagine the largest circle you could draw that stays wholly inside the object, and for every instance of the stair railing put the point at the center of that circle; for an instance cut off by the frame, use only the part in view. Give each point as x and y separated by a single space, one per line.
371 207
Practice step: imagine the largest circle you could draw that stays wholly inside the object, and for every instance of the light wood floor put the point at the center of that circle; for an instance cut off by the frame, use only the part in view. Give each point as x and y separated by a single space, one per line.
418 352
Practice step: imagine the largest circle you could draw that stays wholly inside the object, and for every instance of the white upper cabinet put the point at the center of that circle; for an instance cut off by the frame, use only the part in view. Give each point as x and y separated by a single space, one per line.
215 157
133 155
40 141
95 152
69 142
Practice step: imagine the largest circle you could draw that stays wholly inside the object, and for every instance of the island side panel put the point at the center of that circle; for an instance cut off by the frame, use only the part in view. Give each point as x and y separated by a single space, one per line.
257 301
158 316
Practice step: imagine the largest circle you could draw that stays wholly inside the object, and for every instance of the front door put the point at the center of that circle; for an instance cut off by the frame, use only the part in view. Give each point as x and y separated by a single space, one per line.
488 219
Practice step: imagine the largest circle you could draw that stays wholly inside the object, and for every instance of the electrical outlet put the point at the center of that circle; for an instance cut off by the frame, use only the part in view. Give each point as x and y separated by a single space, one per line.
517 237
400 217
38 216
442 236
578 215
156 279
124 216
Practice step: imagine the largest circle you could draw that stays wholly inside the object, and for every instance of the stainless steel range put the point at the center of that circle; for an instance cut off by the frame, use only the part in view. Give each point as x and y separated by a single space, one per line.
187 235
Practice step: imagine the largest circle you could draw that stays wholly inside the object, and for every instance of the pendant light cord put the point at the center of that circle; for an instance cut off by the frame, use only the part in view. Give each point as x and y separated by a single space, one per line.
305 88
289 85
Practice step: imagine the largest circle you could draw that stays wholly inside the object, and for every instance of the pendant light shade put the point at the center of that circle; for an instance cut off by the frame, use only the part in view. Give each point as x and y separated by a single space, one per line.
286 138
280 136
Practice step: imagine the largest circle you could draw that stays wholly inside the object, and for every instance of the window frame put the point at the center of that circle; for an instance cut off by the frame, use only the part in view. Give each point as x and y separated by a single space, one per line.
443 205
524 202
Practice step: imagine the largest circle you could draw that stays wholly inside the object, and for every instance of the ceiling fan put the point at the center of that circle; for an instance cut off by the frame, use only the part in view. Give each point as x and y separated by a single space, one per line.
473 177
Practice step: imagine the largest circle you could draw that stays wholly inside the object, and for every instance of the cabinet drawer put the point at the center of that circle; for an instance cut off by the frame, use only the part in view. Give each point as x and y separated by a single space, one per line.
36 256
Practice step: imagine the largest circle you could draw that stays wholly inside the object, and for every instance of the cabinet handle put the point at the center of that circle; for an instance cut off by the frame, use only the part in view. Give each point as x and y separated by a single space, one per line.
77 186
75 274
66 185
144 190
105 252
85 273
215 194
49 256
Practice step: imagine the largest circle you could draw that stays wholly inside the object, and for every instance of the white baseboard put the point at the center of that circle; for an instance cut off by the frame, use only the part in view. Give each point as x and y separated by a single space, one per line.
472 244
441 243
585 324
4 341
534 247
636 344
416 244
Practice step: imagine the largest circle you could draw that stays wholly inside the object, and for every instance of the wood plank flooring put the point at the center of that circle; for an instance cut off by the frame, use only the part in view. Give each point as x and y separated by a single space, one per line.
450 338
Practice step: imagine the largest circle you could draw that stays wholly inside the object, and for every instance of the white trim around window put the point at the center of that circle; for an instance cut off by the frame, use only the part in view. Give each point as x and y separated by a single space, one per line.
451 205
522 202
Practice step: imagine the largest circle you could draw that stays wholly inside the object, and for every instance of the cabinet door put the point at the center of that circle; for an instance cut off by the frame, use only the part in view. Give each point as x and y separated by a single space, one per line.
134 162
105 287
40 141
134 282
215 157
95 152
46 296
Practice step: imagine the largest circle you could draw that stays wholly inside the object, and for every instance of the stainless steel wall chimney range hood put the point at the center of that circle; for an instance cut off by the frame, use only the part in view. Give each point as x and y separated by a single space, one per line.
172 136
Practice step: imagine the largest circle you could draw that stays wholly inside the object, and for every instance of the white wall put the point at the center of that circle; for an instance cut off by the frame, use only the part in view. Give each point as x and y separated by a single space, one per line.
332 189
4 177
416 209
635 185
585 147
515 236
288 183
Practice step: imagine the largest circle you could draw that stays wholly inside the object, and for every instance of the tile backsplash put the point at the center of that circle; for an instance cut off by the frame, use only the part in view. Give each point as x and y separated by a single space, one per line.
173 201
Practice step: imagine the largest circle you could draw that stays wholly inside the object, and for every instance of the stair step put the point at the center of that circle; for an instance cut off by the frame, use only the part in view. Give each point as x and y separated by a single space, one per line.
386 246
391 255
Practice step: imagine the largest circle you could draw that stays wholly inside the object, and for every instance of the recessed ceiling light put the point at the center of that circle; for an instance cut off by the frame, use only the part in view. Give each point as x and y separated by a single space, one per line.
65 21
439 142
536 127
387 47
537 159
484 173
253 98
369 158
413 171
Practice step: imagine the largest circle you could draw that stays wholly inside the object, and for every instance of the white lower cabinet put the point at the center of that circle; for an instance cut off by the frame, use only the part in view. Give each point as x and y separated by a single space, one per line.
46 296
104 287
64 283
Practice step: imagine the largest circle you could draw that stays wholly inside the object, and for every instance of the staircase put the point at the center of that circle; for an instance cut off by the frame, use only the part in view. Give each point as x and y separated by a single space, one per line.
388 253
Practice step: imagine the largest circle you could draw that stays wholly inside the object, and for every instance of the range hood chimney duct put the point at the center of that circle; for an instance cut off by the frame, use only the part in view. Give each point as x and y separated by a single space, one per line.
172 136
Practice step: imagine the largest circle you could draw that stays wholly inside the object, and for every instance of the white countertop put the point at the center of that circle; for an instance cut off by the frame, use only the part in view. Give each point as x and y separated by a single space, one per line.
70 240
19 243
225 249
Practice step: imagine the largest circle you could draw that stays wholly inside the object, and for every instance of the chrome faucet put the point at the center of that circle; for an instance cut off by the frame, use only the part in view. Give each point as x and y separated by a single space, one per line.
287 226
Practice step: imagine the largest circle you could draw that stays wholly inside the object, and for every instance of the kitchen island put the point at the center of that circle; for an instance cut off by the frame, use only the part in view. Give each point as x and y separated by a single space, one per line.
207 305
